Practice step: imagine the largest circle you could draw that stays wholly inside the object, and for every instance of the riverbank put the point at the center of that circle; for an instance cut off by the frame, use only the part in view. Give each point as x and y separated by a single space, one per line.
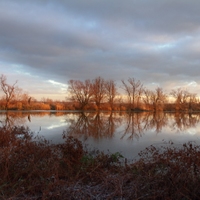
40 170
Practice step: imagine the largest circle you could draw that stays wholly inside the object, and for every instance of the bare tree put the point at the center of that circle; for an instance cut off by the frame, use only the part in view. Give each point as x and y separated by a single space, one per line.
184 100
9 90
147 99
99 91
26 100
180 97
21 99
140 91
193 100
158 98
80 92
111 92
133 90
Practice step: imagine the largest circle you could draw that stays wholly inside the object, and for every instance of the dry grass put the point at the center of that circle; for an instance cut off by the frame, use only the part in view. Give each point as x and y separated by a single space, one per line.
39 170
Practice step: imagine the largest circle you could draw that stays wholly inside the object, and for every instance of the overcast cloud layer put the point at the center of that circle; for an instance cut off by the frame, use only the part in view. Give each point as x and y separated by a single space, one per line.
43 44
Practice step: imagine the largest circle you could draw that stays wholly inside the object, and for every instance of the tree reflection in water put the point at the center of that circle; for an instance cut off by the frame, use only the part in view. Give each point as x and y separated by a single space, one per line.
184 121
136 124
12 129
104 125
99 125
96 125
13 119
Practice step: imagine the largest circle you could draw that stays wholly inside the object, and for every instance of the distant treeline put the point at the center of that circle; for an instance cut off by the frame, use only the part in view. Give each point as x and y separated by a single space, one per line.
101 94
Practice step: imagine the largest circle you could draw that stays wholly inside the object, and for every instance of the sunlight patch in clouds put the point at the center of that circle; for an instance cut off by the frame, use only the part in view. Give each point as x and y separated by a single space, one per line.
165 46
57 83
62 87
192 83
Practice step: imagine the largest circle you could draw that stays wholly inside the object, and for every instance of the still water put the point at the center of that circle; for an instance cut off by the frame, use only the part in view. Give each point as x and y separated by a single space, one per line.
127 133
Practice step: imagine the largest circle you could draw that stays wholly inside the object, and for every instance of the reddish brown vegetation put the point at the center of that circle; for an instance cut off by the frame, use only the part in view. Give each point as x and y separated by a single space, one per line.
39 170
101 94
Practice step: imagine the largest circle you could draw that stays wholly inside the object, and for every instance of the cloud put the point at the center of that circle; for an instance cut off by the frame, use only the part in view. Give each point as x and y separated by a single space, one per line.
154 41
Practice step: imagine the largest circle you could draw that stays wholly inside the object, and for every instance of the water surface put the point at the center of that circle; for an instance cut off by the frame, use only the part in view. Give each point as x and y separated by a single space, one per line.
127 133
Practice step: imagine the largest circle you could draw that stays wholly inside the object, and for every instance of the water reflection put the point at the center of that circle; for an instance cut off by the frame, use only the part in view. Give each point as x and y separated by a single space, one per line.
11 120
183 121
116 131
134 125
97 125
105 124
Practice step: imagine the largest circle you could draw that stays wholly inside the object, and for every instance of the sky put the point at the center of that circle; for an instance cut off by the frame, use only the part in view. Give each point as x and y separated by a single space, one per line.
45 43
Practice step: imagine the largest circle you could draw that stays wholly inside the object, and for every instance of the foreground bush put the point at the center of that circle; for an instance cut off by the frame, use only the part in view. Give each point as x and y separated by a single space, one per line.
39 170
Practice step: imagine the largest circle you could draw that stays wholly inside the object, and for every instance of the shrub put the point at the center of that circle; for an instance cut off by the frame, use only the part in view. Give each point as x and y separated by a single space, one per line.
31 169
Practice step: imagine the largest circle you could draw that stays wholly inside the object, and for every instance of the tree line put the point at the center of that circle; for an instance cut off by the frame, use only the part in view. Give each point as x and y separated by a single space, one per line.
135 97
101 94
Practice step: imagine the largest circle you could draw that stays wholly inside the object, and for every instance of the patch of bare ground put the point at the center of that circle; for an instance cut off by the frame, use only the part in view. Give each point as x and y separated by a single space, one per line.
39 170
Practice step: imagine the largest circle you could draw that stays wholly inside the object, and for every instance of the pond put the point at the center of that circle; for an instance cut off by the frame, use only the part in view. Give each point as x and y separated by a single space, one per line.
127 133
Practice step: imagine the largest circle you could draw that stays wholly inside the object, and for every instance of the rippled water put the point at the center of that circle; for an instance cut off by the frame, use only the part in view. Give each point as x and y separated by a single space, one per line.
127 133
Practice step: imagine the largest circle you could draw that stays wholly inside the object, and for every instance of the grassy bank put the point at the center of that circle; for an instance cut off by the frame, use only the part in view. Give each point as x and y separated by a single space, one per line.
39 170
